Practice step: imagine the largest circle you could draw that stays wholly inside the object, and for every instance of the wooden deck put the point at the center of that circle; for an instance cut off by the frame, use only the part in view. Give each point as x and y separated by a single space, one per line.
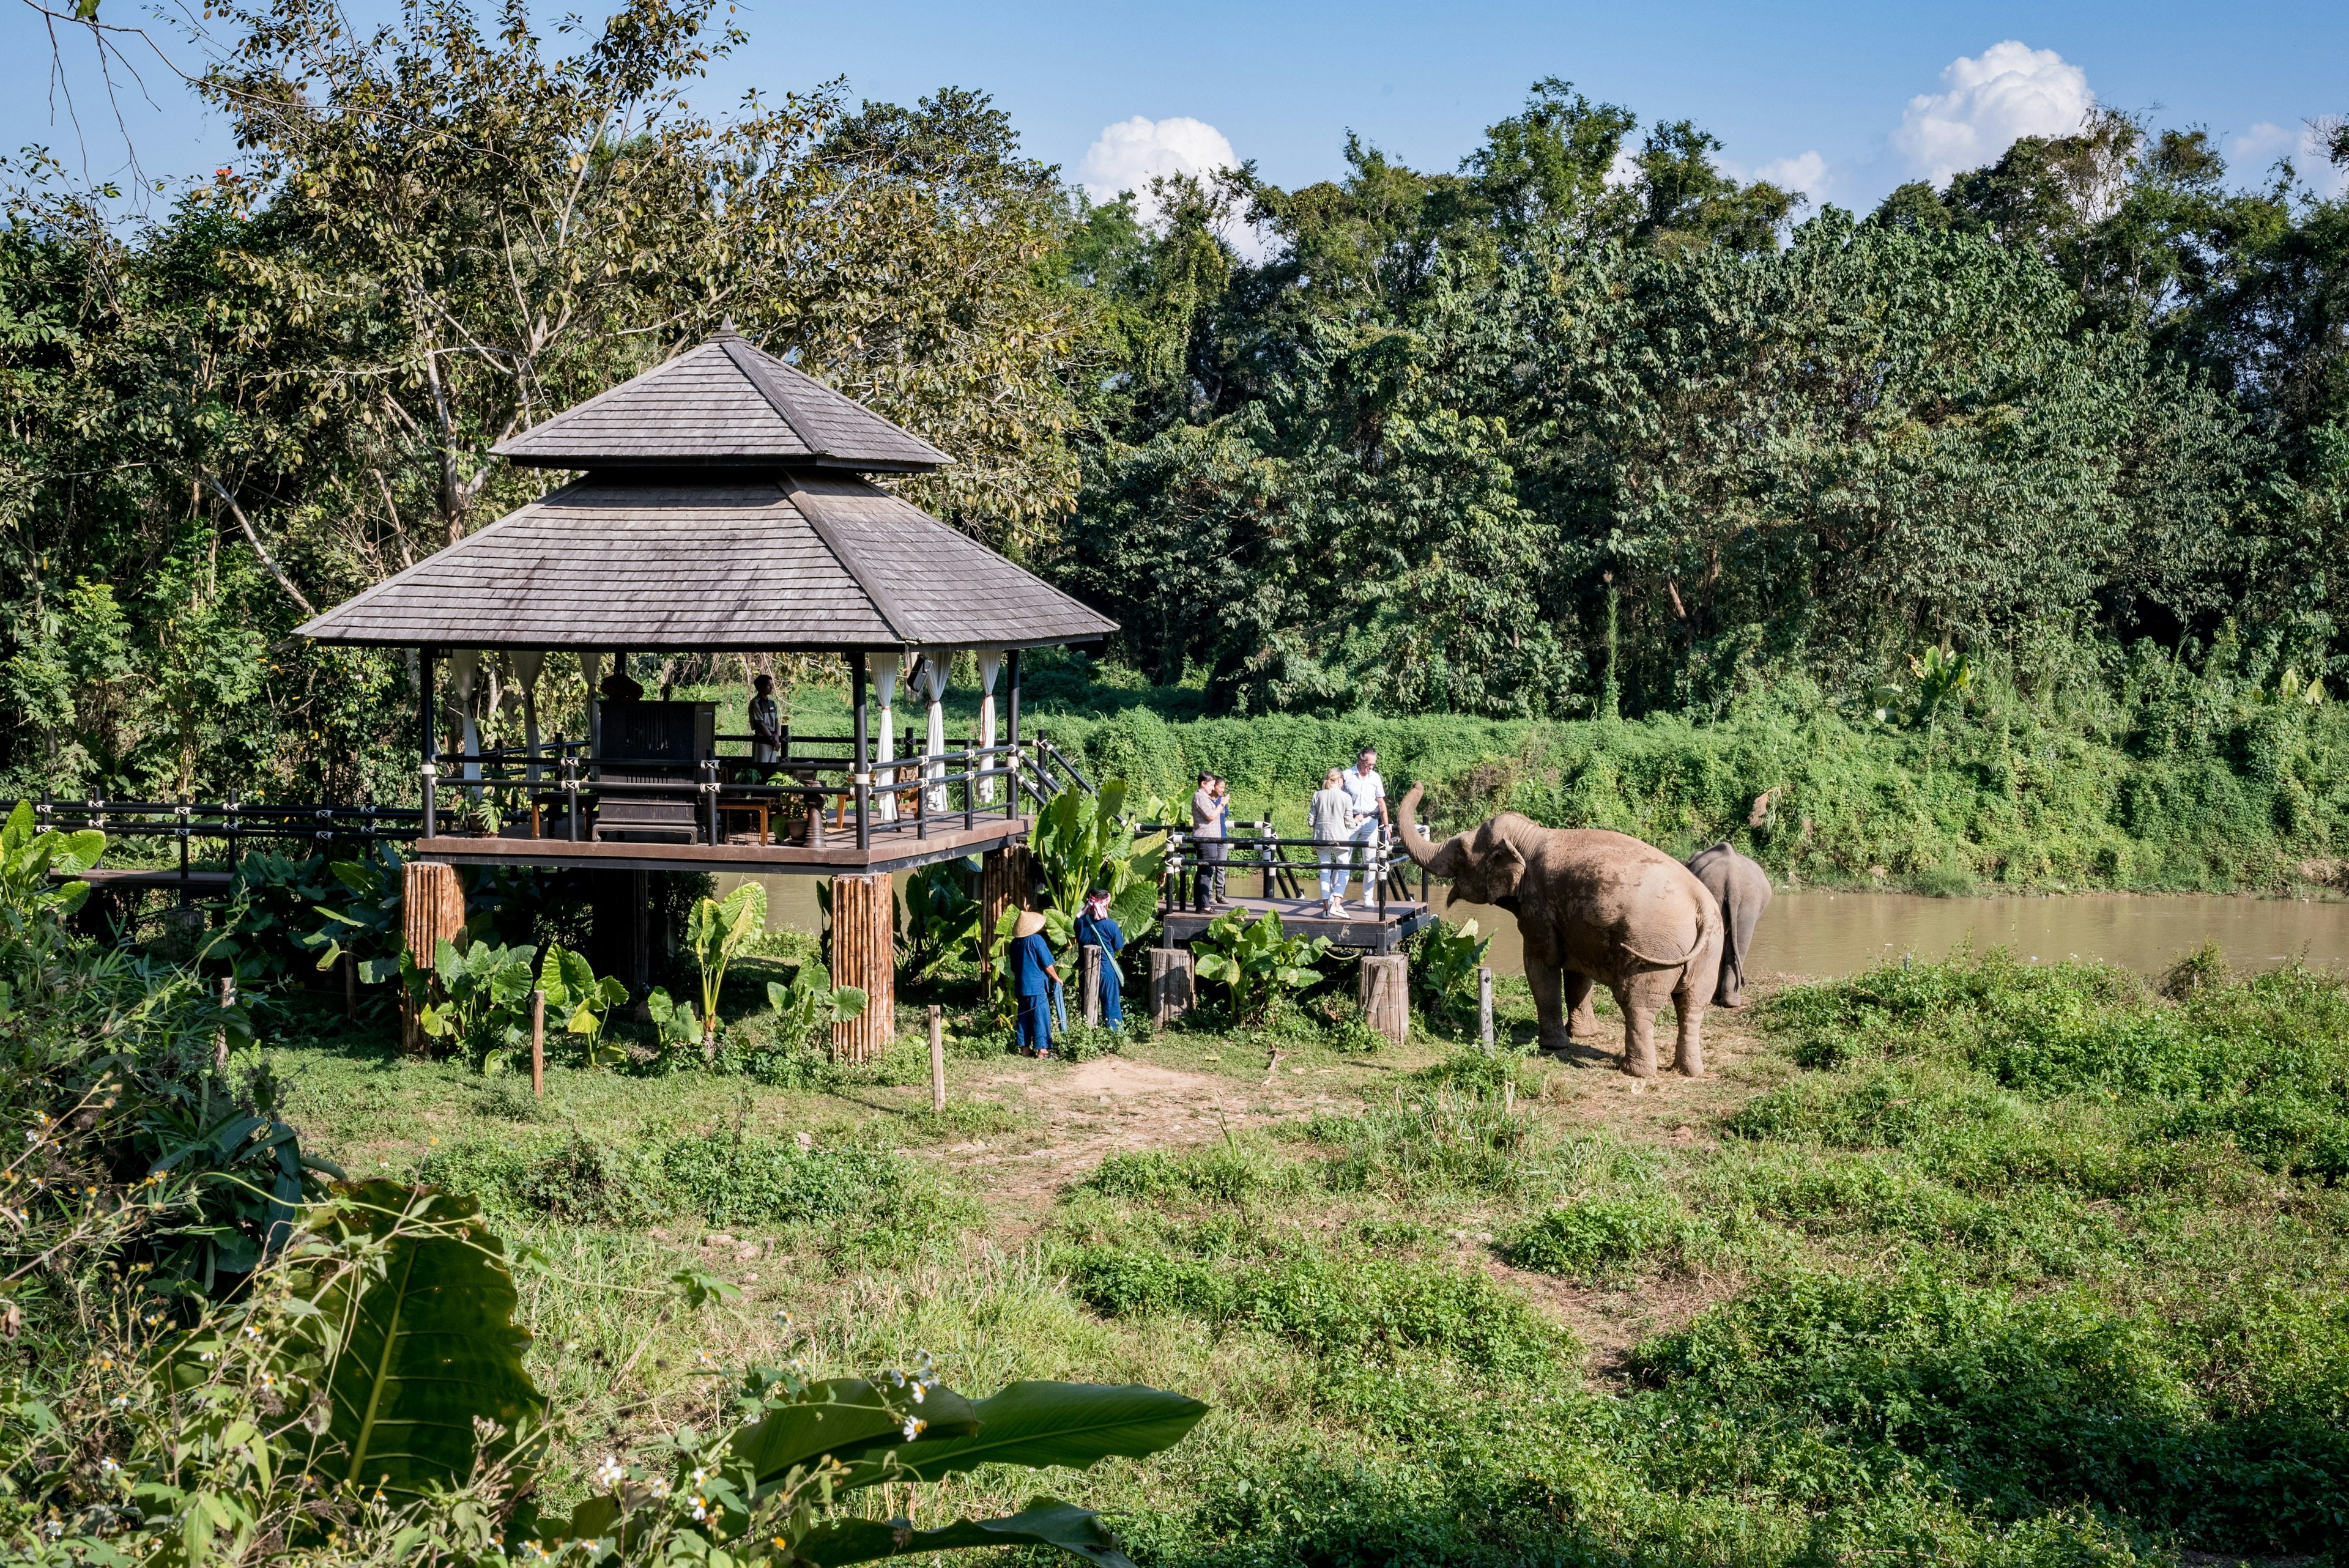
1361 927
148 876
896 847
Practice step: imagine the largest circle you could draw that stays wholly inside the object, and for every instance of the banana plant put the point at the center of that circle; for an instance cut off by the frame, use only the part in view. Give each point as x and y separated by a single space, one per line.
808 1003
1257 961
719 932
1082 842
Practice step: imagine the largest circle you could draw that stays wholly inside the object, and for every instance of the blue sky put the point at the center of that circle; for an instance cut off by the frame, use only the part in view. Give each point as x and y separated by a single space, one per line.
1844 100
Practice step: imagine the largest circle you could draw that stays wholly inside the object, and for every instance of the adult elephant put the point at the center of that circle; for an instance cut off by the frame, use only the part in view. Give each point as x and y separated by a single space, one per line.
1743 890
1594 907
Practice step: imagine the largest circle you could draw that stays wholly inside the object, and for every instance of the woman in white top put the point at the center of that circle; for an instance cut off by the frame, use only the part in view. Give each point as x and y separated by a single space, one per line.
1333 817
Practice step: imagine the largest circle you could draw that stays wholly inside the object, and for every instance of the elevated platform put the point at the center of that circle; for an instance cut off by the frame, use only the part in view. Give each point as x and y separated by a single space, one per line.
148 876
1361 928
895 847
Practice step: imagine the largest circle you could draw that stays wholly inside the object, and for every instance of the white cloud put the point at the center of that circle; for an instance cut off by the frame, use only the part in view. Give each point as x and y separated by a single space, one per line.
1624 170
1806 173
1128 155
2255 151
2010 91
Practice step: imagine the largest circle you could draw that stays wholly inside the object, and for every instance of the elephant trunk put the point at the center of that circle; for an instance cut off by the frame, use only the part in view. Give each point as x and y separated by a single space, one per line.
1414 842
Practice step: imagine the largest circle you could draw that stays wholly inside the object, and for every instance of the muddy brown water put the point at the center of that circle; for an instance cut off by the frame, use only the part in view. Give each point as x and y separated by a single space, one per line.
1821 934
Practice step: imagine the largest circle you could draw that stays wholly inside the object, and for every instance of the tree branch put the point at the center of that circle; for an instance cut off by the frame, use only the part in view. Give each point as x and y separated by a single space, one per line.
259 549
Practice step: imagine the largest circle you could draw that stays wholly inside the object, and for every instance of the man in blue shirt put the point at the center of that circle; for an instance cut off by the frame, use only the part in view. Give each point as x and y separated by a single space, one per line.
1096 927
1034 976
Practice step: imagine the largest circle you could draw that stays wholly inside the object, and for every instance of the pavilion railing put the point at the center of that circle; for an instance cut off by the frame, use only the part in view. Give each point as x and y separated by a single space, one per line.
915 792
232 823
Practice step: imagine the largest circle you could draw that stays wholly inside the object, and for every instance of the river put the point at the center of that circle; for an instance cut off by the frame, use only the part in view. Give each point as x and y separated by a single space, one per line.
1820 934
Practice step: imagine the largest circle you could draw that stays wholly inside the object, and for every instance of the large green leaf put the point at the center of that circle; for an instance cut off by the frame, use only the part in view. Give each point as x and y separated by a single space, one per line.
846 1416
426 1341
1045 1522
1038 1424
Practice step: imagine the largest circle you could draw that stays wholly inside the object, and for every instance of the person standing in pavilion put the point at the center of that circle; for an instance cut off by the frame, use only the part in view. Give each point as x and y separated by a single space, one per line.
1034 976
1096 927
766 731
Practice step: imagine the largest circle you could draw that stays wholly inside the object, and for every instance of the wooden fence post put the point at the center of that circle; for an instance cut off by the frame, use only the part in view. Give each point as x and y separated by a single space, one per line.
538 1042
1386 994
937 1058
219 1035
864 954
1484 1005
1089 964
1171 988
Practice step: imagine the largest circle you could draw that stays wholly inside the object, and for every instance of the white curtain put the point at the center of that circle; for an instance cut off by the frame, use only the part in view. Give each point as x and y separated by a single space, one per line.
931 681
884 681
526 668
990 661
463 663
590 666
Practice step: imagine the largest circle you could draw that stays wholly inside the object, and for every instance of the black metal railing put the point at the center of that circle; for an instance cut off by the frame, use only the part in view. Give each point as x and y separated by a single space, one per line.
1281 862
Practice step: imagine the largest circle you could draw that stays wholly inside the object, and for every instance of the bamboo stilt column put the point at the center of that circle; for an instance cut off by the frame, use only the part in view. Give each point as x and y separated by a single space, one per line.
431 911
1003 878
864 954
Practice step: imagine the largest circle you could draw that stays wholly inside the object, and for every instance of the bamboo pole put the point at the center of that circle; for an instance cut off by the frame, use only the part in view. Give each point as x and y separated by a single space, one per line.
937 1058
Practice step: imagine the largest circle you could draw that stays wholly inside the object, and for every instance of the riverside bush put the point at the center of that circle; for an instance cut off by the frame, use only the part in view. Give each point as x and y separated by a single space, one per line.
1594 1234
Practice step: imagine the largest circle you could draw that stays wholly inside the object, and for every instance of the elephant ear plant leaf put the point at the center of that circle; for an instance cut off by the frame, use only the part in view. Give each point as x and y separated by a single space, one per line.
416 1329
34 905
808 1003
1256 960
807 1444
718 931
580 1001
1082 841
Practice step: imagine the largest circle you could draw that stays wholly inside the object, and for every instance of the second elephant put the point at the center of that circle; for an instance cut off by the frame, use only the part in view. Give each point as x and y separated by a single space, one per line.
1742 888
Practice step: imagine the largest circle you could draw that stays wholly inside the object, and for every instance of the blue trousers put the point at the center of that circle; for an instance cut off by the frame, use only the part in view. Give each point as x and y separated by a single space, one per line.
1035 1031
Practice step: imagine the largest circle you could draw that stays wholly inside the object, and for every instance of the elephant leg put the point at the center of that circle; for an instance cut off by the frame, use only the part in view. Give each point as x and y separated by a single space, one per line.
1542 979
1642 997
1701 978
1581 1022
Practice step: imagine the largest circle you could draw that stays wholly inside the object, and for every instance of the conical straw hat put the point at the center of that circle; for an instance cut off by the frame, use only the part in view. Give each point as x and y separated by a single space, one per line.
1030 923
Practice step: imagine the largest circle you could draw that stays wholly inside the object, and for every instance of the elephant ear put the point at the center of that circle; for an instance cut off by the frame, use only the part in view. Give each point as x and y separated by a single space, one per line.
1502 868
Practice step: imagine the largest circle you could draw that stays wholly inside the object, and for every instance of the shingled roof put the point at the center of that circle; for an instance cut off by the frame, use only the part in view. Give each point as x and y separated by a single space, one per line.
725 404
795 562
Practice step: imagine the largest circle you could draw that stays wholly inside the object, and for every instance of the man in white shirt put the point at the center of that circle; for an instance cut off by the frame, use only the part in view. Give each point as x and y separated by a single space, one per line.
1368 792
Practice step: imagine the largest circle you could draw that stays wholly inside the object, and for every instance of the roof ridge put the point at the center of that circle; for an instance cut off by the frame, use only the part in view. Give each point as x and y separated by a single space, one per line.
752 362
798 492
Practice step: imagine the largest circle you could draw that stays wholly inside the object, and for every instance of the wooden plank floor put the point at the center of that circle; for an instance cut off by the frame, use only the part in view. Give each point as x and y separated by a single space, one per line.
1360 927
896 846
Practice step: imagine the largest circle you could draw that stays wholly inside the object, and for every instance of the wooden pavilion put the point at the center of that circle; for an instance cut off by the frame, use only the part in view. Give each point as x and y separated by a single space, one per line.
724 503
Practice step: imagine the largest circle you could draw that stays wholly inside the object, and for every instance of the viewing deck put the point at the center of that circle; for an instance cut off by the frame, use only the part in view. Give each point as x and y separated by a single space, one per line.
895 846
1364 927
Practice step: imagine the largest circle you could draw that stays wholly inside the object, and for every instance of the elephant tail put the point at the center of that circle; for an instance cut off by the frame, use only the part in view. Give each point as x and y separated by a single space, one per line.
1707 916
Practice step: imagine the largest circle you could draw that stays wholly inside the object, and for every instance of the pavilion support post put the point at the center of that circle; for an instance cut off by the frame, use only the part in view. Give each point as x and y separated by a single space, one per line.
431 911
427 739
1011 736
864 954
859 772
1004 876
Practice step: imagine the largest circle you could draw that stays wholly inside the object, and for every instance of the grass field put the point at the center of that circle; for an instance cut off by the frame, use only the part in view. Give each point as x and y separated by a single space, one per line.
1964 1262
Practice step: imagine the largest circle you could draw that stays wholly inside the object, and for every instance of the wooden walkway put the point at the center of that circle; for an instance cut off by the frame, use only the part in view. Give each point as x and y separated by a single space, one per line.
1361 928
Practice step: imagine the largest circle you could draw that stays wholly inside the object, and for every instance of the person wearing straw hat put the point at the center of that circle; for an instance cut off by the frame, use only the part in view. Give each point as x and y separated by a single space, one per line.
1033 977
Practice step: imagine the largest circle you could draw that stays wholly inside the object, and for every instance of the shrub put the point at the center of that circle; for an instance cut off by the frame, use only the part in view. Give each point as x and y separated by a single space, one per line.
1226 1172
1440 1140
1342 1304
1592 1235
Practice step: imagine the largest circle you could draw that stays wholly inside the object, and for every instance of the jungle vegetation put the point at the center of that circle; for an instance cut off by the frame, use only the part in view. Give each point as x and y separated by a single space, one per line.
2062 446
